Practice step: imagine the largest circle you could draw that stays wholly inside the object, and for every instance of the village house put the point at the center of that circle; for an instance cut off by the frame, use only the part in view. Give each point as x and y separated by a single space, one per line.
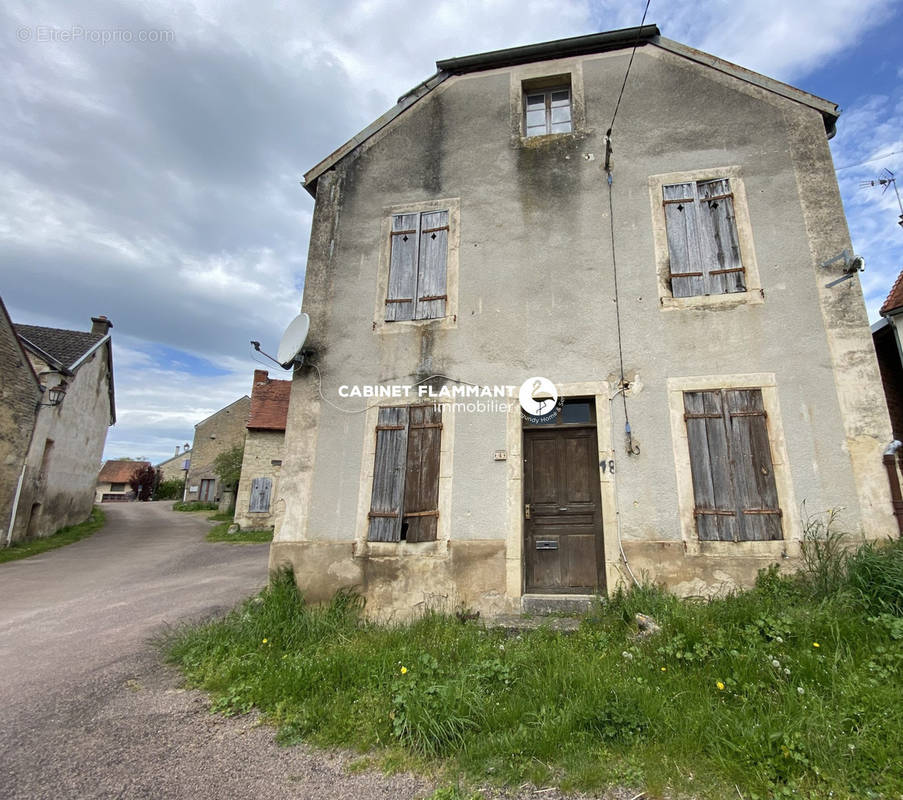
54 484
176 468
113 480
650 270
256 504
216 434
887 338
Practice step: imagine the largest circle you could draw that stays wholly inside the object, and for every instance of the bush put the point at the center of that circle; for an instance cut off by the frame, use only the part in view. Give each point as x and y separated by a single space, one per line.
194 505
170 490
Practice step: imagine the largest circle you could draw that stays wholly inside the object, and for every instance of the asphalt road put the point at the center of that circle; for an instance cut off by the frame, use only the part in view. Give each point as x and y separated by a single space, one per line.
87 709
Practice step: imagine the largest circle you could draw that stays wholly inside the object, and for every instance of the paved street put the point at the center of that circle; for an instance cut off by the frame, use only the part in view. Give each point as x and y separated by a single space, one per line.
87 709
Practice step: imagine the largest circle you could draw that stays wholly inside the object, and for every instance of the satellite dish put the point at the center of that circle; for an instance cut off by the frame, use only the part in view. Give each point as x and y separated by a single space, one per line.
293 340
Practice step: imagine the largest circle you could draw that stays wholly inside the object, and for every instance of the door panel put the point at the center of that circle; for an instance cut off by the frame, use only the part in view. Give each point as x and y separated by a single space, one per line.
563 511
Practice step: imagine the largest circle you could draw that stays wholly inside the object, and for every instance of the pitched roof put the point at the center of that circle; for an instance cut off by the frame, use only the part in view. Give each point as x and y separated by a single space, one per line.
562 48
63 346
269 402
119 471
18 342
895 296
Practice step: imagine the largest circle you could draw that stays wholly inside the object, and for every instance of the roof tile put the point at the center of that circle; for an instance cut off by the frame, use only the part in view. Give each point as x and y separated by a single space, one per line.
895 297
269 402
119 471
65 346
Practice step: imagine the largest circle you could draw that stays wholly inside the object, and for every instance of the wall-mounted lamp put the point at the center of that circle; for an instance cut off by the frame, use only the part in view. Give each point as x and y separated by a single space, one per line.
56 394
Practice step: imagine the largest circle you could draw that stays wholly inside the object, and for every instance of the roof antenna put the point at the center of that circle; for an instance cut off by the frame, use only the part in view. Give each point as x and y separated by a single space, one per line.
885 183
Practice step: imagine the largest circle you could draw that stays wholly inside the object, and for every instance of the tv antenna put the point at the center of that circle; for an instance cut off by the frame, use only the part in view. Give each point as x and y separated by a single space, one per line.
886 180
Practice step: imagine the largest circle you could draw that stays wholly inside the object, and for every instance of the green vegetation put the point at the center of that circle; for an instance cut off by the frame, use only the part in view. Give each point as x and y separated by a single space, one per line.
170 490
794 688
63 536
218 533
227 466
194 505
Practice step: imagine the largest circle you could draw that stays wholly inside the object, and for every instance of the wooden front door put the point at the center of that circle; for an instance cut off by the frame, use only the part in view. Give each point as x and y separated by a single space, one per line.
207 490
563 509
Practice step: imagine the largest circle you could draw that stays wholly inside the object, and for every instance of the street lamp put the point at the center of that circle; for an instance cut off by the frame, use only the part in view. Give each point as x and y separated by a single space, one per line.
56 394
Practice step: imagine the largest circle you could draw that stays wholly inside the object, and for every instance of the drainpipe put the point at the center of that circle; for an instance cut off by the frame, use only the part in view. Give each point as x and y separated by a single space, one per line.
12 516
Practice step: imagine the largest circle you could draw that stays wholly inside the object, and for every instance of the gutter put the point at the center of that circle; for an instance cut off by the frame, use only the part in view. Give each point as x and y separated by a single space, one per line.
12 516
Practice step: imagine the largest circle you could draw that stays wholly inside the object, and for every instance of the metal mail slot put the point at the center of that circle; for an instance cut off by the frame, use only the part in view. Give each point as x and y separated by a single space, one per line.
546 544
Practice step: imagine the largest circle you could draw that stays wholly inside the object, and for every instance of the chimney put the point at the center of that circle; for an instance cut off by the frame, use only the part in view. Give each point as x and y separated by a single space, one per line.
177 450
101 325
261 376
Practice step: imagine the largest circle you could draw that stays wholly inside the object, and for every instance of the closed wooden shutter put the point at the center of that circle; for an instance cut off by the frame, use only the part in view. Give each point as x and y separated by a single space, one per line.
388 475
719 245
734 490
421 493
687 278
703 245
431 276
260 494
402 287
757 494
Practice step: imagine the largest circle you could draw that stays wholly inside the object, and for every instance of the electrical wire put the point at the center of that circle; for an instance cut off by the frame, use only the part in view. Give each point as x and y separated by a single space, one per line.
629 65
870 160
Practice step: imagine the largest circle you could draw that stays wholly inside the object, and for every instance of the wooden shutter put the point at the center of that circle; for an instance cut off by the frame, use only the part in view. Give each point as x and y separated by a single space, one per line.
734 490
421 491
260 494
687 278
431 275
388 475
715 509
403 267
757 495
719 245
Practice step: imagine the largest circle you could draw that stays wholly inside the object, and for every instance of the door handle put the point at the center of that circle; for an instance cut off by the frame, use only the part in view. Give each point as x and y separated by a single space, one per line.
526 511
562 508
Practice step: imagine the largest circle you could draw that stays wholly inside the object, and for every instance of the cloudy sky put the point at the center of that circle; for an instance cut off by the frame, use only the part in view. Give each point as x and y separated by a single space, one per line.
155 179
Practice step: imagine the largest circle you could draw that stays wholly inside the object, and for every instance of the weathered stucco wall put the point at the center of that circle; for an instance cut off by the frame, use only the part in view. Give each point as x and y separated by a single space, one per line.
19 396
262 448
536 296
216 434
65 454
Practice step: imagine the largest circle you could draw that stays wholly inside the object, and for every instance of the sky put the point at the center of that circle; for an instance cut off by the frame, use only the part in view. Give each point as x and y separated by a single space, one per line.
151 155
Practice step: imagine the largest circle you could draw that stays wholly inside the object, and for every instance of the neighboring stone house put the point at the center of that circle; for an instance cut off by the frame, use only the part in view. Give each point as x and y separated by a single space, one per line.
176 468
887 338
666 282
113 481
256 504
77 405
20 394
214 435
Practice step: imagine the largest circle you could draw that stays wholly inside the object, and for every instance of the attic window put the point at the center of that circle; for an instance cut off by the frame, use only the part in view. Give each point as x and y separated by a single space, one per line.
547 106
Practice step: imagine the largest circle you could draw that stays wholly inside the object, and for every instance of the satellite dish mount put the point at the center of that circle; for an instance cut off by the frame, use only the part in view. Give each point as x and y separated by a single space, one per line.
290 354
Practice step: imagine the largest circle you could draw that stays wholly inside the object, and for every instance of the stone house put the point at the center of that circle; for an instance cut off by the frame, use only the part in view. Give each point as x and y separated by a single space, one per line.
113 481
563 338
20 394
56 485
256 503
214 435
886 336
176 468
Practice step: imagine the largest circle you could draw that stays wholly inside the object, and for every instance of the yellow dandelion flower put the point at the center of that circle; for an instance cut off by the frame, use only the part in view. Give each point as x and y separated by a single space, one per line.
816 644
664 669
404 670
265 641
720 686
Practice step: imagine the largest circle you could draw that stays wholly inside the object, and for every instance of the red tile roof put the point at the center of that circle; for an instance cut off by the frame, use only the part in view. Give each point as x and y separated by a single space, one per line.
269 402
895 298
119 471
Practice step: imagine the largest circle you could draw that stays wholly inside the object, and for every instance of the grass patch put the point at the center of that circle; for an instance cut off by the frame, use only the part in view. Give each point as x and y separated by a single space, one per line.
794 688
194 505
218 533
62 537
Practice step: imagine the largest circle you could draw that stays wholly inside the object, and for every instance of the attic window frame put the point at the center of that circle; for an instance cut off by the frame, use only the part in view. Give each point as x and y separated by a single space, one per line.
547 87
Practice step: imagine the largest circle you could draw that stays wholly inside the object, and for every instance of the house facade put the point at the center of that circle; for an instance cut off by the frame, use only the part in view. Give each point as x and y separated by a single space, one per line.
552 360
76 406
257 502
176 468
214 435
886 335
113 481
